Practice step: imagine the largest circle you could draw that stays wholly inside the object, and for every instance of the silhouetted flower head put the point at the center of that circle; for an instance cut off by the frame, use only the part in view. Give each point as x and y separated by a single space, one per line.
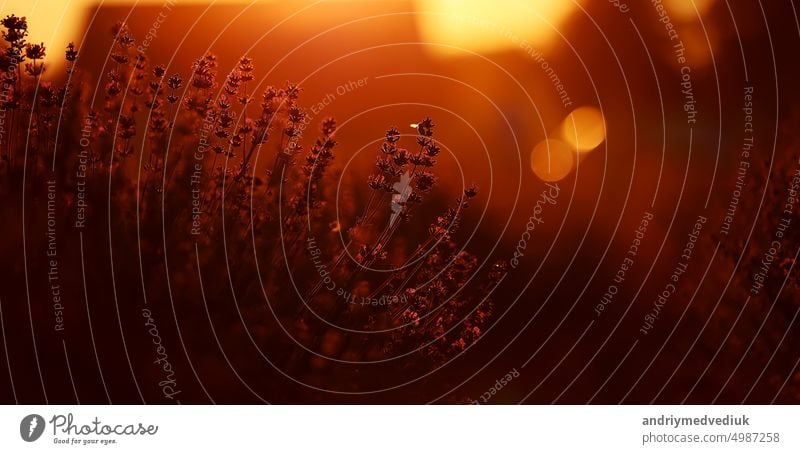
126 127
388 148
292 91
392 135
159 71
328 126
424 181
376 181
204 73
246 69
122 35
13 22
16 30
401 158
425 127
71 54
175 82
35 51
432 150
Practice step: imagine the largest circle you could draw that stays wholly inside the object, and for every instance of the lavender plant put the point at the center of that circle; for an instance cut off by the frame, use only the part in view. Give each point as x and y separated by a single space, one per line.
173 180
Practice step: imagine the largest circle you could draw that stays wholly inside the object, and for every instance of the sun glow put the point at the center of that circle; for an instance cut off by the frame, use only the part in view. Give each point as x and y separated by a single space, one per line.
490 26
552 160
689 10
53 23
584 129
57 23
475 25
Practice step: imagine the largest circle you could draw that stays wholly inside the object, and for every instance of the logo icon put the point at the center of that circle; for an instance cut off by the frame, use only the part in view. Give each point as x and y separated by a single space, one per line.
31 427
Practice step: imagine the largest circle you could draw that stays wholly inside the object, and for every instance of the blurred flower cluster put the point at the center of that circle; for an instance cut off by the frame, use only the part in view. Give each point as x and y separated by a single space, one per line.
208 191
